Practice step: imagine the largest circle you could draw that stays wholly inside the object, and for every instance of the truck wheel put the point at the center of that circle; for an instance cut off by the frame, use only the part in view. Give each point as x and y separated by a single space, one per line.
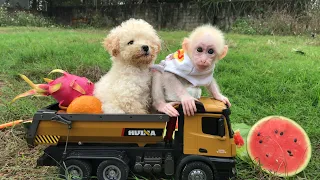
197 171
112 170
76 169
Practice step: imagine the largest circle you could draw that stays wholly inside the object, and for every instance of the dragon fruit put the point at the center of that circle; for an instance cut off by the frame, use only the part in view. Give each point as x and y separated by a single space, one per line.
64 89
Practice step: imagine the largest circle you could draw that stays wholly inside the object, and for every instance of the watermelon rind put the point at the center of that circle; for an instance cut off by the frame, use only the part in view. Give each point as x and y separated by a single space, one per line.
288 174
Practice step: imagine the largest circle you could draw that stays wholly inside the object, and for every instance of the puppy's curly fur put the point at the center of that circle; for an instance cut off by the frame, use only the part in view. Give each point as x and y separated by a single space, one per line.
126 88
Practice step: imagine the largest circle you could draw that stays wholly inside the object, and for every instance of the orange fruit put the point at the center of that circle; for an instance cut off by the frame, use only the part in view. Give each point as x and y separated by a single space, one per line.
61 111
85 104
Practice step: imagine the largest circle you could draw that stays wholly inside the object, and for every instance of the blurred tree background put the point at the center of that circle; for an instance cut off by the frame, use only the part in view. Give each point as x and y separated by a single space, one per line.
282 17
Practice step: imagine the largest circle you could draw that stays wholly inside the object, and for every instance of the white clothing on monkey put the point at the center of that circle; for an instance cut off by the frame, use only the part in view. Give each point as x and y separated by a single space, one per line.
180 64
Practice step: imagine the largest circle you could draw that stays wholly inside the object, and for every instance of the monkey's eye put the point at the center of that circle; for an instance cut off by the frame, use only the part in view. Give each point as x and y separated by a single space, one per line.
130 42
199 49
210 51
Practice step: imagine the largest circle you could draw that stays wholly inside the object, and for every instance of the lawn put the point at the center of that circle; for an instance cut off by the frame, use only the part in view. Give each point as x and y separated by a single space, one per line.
261 75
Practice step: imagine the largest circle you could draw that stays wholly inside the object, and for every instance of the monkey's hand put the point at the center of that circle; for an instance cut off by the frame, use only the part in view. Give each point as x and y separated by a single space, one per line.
168 109
188 104
222 98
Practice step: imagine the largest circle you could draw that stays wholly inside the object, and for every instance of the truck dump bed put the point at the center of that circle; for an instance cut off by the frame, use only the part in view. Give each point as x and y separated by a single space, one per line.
50 127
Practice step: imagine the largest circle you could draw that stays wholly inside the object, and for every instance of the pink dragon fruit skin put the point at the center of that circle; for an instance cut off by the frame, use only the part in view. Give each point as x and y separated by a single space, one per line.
71 87
64 89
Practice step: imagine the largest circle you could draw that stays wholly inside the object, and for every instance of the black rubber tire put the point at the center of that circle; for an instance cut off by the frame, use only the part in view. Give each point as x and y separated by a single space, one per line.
84 166
124 171
197 165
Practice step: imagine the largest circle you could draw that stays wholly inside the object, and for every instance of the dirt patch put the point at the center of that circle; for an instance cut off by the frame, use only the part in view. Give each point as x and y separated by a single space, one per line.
313 43
94 41
18 161
2 84
3 31
7 30
93 73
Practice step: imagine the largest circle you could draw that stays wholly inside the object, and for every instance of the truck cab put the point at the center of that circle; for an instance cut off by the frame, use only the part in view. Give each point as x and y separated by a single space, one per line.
207 133
208 137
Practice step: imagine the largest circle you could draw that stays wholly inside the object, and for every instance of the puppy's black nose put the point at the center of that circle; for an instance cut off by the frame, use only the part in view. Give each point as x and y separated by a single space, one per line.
145 48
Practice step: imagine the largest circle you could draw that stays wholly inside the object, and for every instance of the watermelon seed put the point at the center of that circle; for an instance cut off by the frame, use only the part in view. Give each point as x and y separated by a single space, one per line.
267 155
260 141
276 131
295 140
289 152
258 134
281 133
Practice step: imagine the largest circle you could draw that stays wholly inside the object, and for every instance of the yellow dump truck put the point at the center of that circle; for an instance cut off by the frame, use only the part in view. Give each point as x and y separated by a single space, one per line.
109 146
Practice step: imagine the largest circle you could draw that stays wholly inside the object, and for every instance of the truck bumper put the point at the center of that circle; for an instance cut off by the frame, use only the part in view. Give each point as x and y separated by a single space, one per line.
51 156
226 168
45 160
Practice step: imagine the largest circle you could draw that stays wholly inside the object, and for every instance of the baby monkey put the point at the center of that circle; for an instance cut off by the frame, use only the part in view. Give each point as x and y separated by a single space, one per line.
185 71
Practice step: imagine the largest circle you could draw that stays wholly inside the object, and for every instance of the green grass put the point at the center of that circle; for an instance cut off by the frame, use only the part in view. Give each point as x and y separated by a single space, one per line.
261 75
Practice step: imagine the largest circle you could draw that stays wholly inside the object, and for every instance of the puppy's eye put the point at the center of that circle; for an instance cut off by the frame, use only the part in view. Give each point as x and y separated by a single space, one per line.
210 51
199 49
130 42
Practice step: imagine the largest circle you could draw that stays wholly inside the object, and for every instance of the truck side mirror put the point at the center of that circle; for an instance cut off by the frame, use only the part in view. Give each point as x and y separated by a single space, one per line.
221 129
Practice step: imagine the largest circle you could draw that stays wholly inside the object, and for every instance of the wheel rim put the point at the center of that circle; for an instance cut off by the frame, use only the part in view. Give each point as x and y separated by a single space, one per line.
112 172
197 174
74 172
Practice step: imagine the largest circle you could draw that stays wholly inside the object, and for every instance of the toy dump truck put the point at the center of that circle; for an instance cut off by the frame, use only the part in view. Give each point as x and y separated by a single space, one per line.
109 146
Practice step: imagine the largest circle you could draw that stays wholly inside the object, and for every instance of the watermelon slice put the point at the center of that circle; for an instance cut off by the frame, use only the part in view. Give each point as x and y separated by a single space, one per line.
279 145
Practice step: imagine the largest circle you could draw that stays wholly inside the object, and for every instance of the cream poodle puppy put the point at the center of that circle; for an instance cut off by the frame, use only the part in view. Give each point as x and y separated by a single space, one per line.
126 88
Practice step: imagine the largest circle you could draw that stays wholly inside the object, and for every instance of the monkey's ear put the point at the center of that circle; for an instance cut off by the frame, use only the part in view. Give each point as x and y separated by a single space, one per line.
111 44
224 52
185 44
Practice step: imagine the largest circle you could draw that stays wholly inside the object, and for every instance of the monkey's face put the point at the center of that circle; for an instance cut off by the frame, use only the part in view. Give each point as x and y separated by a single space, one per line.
203 52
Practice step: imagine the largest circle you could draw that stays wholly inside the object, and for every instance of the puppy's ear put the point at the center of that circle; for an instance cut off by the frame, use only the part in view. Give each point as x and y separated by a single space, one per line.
224 52
111 44
158 44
